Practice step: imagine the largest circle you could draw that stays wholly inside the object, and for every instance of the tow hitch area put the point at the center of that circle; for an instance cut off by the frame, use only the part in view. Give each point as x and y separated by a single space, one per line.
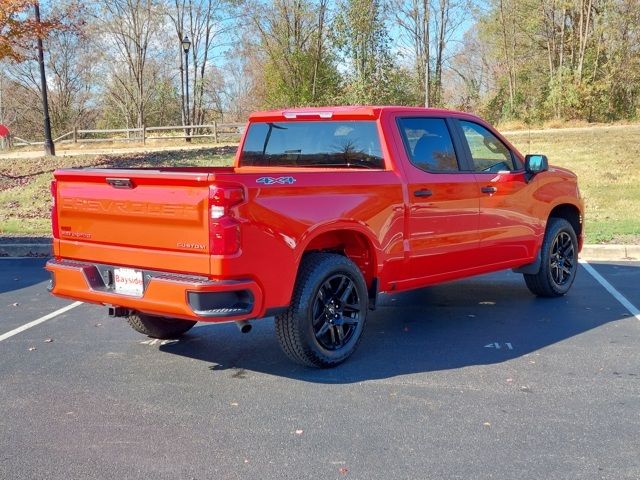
118 312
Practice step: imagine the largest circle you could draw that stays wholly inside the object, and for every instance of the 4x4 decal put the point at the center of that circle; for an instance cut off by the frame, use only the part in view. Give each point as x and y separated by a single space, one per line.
278 180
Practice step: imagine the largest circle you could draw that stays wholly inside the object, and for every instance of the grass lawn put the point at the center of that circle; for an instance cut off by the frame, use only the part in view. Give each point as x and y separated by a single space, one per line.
607 161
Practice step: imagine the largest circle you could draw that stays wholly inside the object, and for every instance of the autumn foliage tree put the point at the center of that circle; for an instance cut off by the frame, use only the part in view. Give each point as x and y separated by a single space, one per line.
18 27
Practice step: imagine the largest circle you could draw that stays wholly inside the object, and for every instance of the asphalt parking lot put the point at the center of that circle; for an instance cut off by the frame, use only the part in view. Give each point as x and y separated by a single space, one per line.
469 380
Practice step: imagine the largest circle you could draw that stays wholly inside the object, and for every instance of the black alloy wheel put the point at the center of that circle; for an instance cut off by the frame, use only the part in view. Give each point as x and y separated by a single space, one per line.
562 259
323 325
558 260
336 312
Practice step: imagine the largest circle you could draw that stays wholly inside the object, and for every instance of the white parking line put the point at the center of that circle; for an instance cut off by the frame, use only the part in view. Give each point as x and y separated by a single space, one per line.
38 321
633 310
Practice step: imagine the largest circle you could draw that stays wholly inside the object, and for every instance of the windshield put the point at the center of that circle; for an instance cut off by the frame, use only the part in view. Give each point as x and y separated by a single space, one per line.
346 144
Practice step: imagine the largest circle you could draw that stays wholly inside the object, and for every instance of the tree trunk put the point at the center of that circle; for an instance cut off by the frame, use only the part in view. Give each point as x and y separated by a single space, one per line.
558 102
506 56
318 57
585 22
444 18
426 52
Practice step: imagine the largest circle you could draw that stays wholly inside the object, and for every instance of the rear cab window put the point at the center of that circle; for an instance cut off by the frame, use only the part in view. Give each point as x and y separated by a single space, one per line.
328 144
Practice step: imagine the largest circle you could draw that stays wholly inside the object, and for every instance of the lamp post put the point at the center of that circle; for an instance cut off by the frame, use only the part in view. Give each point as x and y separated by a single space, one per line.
49 147
186 45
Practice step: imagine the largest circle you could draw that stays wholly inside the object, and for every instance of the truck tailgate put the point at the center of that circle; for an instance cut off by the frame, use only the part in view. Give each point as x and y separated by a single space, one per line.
144 218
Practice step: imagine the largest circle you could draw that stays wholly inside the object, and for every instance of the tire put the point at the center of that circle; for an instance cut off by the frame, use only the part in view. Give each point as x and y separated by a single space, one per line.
324 323
559 261
158 327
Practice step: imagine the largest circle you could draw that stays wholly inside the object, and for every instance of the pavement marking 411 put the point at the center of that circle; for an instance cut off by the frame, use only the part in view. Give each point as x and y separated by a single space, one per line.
498 345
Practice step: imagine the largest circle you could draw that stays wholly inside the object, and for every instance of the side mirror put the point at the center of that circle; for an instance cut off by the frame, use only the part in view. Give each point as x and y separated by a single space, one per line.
534 164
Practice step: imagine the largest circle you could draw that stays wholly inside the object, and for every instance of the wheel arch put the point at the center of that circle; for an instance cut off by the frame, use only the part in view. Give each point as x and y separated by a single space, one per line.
567 211
352 242
570 213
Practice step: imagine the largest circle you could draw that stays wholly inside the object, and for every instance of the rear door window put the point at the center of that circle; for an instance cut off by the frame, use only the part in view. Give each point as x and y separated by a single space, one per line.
331 144
428 144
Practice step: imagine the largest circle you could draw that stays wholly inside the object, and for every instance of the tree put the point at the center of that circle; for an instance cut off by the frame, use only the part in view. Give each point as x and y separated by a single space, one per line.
18 28
207 23
414 18
563 58
363 38
448 18
469 77
298 65
23 68
243 87
70 77
129 28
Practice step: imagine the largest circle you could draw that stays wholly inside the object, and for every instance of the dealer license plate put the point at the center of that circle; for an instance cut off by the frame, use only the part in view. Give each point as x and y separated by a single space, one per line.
128 281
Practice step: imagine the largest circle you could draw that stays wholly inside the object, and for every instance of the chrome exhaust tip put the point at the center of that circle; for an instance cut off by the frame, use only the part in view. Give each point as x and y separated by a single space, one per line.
244 326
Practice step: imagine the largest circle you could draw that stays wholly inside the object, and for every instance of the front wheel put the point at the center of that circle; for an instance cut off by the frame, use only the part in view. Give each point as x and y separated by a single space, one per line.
559 261
324 323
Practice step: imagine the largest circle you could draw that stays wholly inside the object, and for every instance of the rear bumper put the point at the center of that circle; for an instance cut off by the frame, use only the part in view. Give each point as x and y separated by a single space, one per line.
190 297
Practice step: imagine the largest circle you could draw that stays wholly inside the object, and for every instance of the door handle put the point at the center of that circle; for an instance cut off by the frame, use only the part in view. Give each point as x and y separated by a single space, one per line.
425 192
489 189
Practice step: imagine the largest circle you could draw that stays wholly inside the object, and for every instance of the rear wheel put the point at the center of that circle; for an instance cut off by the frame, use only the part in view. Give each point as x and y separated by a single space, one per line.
326 318
159 327
559 260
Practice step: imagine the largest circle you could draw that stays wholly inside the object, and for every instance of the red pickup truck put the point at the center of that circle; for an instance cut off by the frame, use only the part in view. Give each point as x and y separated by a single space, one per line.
324 209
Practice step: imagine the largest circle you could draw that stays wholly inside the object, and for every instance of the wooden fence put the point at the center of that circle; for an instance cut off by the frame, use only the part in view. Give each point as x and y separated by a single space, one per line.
219 132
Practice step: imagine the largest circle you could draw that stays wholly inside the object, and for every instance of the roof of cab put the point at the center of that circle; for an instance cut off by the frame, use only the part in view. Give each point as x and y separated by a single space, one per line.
354 112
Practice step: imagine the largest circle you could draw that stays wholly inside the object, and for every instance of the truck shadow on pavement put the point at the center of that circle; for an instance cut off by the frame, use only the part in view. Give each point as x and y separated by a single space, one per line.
479 321
21 273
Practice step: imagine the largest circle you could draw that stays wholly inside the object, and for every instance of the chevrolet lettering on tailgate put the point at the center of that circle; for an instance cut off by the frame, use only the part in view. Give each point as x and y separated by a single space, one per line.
133 208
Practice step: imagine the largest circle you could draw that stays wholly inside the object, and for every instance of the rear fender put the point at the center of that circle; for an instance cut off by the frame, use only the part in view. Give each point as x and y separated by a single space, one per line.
354 240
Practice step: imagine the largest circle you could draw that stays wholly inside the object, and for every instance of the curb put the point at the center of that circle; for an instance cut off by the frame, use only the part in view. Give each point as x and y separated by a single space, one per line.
25 250
589 252
610 252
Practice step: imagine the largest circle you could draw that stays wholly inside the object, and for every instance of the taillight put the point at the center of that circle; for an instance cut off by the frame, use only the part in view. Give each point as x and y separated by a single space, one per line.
54 209
224 228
